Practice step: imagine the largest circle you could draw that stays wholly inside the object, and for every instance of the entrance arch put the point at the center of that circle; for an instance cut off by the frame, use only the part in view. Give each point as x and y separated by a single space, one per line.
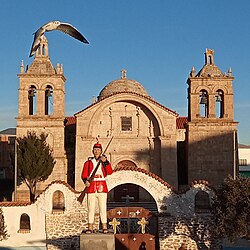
129 213
153 184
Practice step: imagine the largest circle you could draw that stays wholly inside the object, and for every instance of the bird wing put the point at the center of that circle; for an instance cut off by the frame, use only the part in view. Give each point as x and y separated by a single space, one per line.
36 41
72 31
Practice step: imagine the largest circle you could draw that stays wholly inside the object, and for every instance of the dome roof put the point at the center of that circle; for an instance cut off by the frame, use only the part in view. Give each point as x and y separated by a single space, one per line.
122 85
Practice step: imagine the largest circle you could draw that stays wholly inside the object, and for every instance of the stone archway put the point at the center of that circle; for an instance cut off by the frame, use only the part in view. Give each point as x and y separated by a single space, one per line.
152 183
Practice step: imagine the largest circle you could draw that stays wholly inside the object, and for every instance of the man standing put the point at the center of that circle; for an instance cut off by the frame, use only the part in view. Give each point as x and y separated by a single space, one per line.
97 189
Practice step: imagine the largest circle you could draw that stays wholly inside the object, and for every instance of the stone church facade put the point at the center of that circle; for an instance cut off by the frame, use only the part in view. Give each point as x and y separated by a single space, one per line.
160 160
144 133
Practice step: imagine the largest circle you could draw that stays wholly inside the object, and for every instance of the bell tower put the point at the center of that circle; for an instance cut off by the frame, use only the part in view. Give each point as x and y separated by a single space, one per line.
41 101
211 134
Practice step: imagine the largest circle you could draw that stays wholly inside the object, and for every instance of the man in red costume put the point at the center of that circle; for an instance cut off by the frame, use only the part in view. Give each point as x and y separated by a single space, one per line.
97 189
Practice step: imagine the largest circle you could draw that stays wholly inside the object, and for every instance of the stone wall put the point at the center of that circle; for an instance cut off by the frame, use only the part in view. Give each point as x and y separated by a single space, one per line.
63 229
190 233
178 219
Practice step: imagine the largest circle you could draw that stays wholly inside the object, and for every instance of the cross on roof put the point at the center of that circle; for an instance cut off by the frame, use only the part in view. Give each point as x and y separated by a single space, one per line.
124 72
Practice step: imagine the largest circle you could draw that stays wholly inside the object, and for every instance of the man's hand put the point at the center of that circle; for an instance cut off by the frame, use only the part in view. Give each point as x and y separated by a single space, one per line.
87 183
103 158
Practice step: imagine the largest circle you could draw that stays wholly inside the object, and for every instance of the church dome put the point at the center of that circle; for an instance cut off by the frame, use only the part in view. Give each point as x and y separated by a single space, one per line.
122 85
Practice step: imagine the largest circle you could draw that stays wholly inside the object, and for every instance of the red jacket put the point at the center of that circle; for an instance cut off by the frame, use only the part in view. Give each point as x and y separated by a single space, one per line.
96 185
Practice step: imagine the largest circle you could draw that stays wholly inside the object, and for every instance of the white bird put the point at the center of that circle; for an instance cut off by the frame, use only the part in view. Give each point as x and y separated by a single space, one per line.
55 25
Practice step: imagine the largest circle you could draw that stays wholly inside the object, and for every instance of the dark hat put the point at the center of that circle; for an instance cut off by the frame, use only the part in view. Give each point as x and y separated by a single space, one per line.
97 145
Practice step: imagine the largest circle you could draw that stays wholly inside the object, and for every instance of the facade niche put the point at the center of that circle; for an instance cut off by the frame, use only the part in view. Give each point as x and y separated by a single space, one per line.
32 100
24 224
58 202
202 202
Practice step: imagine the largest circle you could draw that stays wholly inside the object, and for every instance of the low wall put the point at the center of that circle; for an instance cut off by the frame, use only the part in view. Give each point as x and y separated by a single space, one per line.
178 223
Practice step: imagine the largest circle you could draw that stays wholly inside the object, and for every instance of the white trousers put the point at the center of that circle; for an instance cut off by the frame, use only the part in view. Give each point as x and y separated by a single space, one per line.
101 198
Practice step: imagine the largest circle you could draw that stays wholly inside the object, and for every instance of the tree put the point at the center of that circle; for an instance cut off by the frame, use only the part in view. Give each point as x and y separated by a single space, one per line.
232 208
3 231
34 160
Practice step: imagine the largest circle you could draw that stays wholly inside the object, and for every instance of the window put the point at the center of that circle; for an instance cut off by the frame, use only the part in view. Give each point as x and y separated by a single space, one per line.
202 203
43 50
24 224
126 123
209 59
58 202
243 162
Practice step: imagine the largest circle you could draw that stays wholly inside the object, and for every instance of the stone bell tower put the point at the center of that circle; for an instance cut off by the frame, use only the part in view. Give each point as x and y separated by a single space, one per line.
211 133
41 101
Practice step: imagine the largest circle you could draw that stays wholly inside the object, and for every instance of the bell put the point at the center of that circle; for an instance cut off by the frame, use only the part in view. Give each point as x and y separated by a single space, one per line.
218 98
48 92
203 100
32 93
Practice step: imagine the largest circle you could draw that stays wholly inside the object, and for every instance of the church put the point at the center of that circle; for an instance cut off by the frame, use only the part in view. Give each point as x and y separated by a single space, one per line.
145 134
164 166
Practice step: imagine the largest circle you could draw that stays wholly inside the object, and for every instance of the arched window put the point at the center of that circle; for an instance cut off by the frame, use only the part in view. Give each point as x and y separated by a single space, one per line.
39 50
58 202
219 99
48 100
32 100
43 50
24 224
202 202
210 59
203 103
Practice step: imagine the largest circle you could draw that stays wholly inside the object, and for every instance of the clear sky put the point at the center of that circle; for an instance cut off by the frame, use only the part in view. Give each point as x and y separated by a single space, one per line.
157 42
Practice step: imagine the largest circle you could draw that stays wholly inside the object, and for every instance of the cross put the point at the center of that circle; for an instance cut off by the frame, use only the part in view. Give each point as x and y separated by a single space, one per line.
143 224
123 73
127 199
114 223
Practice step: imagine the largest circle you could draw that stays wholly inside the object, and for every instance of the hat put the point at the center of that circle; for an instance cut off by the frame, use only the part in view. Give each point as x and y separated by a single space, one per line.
97 145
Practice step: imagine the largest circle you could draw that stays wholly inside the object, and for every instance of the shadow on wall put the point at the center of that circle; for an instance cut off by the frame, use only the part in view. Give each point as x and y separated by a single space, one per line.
200 154
193 231
69 243
212 158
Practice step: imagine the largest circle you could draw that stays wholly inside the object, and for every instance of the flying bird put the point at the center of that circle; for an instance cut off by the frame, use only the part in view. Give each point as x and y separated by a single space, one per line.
55 25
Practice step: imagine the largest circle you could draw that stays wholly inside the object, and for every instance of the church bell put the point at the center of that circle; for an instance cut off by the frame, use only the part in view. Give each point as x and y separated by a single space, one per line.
203 100
218 98
31 93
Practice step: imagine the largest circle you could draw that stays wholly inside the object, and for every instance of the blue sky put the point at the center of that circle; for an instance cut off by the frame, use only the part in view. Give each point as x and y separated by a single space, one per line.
157 42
